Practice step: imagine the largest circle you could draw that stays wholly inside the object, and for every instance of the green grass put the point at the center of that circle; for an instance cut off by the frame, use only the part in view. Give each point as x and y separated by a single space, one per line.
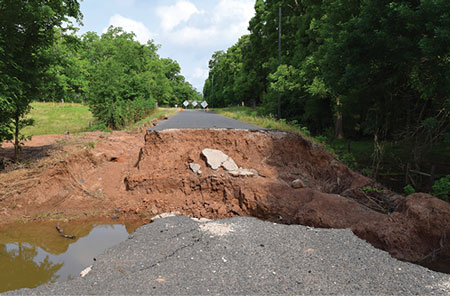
157 113
248 115
57 118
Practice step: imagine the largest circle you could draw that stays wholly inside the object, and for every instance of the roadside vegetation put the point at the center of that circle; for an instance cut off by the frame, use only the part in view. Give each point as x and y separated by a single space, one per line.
118 79
359 155
59 118
370 78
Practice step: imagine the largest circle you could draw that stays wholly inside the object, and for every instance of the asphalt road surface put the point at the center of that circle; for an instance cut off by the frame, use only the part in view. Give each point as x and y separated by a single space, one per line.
178 255
198 119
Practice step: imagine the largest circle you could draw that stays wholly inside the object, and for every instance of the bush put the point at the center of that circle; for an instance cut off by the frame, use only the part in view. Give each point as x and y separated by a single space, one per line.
349 160
99 127
372 189
408 189
441 188
321 139
305 130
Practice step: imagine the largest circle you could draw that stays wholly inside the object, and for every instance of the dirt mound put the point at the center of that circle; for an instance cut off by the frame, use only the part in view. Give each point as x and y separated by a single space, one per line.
330 194
292 181
78 179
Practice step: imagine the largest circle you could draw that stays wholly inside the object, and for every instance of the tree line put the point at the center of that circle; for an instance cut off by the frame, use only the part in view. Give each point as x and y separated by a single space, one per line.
118 77
358 68
43 59
373 69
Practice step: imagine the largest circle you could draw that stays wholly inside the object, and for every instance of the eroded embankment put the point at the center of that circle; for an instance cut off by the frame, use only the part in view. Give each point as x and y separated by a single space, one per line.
294 182
328 194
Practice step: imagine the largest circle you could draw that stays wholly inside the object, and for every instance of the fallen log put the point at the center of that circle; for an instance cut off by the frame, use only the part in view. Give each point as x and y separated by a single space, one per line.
62 234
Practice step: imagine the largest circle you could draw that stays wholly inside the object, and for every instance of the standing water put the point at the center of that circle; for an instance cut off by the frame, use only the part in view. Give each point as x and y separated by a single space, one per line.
33 254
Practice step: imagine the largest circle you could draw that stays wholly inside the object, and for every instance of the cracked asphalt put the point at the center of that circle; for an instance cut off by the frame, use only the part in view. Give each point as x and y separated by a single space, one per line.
180 256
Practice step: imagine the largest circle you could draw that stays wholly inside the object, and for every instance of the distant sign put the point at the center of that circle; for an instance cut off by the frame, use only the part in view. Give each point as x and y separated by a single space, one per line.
185 103
204 104
194 103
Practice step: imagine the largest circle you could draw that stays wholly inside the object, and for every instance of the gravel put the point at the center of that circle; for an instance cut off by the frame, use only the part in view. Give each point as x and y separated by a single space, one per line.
177 255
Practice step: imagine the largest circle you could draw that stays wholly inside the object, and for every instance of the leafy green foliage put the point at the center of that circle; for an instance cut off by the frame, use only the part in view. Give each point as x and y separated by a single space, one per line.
99 127
371 189
441 188
284 79
27 30
408 189
125 79
374 67
67 76
349 160
119 86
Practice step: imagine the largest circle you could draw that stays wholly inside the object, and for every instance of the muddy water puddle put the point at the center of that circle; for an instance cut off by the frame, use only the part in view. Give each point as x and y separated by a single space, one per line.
34 254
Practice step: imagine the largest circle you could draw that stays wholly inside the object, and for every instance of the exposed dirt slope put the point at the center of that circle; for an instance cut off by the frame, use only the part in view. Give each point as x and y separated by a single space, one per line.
409 228
117 177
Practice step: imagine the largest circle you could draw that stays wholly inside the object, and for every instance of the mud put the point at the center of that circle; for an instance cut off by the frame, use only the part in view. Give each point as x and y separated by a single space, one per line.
124 176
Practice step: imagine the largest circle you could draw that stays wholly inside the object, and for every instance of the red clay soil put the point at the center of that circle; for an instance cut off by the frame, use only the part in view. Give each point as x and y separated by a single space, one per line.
122 175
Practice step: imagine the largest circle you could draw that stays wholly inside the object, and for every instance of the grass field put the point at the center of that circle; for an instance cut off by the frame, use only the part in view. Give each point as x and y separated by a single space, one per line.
57 118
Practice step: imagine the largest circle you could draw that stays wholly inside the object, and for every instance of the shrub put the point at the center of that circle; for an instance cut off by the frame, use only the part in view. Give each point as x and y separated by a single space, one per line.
321 139
408 189
441 188
349 160
305 130
372 189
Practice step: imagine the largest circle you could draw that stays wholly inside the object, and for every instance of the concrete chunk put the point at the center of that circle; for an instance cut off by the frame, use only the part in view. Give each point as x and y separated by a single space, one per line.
243 173
214 158
195 168
230 165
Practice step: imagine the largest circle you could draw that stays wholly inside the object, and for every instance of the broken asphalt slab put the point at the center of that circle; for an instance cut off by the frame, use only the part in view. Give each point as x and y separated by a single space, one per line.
177 255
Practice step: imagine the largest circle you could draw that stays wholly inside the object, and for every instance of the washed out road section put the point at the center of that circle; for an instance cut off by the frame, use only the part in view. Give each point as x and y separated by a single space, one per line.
197 119
180 256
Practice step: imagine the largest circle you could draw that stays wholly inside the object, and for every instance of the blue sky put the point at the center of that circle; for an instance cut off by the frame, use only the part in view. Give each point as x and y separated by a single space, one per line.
189 31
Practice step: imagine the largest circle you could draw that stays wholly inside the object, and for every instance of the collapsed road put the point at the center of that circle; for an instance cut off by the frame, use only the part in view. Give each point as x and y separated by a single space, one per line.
244 256
279 177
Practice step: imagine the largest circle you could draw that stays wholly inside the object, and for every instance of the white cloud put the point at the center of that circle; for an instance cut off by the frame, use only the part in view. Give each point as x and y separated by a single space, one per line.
193 36
172 16
143 34
124 3
220 27
232 9
200 73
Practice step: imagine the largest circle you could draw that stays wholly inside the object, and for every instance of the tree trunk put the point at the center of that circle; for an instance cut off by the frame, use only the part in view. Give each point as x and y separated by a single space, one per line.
16 138
339 128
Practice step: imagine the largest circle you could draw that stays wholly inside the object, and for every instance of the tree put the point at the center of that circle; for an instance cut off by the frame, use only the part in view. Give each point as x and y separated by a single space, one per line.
27 28
126 78
66 77
119 78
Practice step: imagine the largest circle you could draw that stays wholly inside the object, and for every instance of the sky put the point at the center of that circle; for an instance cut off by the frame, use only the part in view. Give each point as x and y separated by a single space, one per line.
189 31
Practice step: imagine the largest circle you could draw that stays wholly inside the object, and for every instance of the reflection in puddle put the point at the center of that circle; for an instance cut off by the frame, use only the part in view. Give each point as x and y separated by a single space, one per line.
29 261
